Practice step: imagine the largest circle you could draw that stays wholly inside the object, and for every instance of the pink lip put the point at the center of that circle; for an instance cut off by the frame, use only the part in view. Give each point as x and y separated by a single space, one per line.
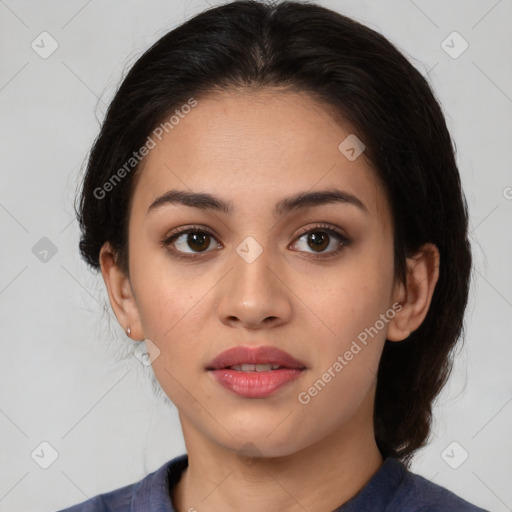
254 384
254 355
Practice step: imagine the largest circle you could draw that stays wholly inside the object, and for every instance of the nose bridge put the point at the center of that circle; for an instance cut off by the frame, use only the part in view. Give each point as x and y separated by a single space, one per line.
253 292
253 277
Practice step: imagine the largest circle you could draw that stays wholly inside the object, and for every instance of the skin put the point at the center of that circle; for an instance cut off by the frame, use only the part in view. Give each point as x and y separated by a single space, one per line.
254 148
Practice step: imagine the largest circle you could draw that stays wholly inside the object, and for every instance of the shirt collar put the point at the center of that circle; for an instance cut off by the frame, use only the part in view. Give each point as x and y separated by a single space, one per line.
378 491
153 492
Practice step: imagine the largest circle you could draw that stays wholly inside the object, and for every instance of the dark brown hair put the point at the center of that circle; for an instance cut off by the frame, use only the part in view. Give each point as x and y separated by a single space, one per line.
361 78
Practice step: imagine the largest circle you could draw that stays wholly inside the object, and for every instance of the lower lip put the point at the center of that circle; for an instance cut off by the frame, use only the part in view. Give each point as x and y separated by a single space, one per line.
255 384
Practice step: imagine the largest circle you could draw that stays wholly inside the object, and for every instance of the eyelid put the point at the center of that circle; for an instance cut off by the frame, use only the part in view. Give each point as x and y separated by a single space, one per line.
190 228
322 226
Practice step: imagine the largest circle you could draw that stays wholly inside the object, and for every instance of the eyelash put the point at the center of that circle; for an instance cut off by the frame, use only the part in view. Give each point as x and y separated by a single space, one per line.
323 228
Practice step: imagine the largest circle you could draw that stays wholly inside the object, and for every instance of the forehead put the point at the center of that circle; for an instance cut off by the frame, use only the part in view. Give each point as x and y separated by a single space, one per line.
269 142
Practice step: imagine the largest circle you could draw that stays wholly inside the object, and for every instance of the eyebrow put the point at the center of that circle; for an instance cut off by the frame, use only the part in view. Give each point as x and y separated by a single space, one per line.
205 201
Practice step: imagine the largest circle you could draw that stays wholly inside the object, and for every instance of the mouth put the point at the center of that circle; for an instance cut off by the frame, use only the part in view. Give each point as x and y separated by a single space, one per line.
255 372
254 367
255 359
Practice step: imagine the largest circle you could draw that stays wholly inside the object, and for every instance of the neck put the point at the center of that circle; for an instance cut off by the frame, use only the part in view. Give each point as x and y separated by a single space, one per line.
319 477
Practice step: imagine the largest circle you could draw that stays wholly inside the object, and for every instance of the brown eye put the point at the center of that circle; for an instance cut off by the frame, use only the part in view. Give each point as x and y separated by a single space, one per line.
198 241
190 241
322 241
318 240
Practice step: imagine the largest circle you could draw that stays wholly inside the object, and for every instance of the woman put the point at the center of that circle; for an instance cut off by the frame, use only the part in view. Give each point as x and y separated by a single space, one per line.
275 207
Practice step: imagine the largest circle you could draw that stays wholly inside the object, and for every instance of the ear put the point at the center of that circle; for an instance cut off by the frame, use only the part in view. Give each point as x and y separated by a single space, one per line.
415 296
120 292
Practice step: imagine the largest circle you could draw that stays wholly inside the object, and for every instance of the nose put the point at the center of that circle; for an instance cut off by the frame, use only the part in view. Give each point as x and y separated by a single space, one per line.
255 294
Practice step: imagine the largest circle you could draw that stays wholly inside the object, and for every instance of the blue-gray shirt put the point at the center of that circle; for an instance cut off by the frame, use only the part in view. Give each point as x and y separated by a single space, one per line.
393 488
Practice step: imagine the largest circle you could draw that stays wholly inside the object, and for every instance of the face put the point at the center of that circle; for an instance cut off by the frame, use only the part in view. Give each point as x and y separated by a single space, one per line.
311 279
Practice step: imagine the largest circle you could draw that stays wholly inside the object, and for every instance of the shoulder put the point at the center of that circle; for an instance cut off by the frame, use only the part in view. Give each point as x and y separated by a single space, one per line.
113 501
416 493
135 497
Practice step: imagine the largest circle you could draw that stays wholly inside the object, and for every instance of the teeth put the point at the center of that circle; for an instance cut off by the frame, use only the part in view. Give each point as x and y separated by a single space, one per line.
254 367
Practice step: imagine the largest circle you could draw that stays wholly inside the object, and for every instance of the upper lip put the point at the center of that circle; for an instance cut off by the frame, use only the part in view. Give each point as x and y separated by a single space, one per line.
254 355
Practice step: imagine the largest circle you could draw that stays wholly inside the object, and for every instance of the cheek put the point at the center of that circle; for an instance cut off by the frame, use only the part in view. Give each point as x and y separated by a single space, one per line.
348 347
165 293
351 299
174 309
168 313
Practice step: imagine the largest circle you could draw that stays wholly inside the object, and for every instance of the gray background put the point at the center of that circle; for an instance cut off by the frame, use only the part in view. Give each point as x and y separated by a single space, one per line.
68 375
